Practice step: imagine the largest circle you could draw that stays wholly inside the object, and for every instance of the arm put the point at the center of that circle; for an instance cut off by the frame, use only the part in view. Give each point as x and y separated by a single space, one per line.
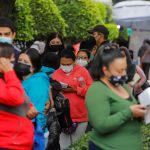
81 90
98 106
12 93
142 76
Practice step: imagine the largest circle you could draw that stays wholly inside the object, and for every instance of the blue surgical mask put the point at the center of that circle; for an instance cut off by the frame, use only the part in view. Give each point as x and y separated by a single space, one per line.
6 40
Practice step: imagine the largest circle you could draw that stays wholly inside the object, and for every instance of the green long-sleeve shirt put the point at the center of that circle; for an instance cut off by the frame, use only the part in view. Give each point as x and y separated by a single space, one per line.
111 118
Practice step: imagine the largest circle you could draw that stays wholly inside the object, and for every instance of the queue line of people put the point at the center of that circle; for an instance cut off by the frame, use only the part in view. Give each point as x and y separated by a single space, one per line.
107 104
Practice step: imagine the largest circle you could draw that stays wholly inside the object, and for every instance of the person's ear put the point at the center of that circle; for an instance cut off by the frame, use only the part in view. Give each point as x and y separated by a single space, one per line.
106 71
32 69
14 35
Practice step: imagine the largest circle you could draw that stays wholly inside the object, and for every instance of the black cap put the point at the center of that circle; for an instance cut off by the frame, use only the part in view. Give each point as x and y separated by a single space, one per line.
99 28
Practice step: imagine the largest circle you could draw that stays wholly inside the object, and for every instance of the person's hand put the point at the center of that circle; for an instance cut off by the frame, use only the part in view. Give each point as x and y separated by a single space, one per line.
69 90
32 113
138 110
5 65
47 107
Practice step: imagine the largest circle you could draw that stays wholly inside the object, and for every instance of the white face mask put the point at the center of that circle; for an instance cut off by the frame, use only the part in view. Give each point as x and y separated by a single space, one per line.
81 62
66 69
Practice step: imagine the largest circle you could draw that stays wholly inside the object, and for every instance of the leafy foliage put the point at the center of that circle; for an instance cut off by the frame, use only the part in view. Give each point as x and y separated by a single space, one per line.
146 137
113 31
72 19
24 21
80 15
82 143
102 10
47 17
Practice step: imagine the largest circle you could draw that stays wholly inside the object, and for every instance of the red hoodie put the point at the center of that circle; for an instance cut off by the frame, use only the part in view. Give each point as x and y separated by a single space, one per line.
16 132
76 99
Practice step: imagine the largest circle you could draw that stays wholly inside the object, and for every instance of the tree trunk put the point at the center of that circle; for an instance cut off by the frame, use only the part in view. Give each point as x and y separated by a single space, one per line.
6 7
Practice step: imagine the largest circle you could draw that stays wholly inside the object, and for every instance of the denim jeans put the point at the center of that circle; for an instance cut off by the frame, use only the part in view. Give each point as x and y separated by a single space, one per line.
92 146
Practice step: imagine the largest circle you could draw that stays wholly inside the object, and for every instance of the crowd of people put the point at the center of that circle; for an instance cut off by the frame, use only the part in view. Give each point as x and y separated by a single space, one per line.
96 90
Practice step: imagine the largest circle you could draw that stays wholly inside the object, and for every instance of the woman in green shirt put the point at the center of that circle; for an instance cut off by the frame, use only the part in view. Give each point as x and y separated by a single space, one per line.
113 111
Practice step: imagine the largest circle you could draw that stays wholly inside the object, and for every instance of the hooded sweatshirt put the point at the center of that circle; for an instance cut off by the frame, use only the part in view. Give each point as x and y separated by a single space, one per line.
74 79
16 130
37 89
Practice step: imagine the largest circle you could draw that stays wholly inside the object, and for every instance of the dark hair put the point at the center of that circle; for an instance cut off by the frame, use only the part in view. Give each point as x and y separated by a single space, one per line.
35 58
131 68
104 58
6 22
126 51
88 44
67 53
6 50
50 60
146 41
52 36
85 51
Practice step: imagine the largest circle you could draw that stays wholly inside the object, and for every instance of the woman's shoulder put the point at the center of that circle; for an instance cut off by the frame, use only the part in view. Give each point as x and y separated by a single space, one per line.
97 90
37 77
96 86
80 69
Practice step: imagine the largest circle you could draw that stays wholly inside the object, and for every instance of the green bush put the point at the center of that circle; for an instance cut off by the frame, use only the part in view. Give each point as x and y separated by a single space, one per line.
80 15
113 31
102 10
47 17
24 21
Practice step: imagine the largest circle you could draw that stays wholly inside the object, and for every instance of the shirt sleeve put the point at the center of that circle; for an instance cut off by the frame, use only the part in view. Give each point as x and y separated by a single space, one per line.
101 119
12 92
88 81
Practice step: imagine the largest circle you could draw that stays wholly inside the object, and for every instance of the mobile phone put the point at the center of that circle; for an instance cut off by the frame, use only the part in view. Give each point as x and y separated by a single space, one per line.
64 85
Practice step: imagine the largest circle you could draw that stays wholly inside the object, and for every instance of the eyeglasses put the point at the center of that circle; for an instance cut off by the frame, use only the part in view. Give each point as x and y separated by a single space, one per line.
78 57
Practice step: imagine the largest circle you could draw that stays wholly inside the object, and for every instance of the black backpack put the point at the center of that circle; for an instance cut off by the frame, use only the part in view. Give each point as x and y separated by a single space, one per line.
61 104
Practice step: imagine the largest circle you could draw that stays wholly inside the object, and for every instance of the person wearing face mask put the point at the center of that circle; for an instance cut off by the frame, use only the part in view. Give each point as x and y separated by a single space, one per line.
83 58
113 111
90 45
75 81
35 83
16 128
8 34
100 34
54 44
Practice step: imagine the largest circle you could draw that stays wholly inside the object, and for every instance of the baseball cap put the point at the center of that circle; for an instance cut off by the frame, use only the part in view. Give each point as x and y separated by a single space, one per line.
99 28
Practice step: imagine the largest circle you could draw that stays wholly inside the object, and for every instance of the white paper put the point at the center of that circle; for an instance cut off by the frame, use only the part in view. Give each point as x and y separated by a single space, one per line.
144 99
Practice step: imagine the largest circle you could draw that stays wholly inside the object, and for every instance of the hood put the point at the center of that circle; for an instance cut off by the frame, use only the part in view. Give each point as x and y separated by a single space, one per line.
36 76
47 70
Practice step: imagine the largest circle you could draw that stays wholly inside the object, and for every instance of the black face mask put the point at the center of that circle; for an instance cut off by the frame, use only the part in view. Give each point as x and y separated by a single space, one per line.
55 48
118 80
22 69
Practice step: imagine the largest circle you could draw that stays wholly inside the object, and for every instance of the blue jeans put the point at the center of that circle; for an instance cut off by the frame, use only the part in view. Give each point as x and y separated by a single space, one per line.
92 146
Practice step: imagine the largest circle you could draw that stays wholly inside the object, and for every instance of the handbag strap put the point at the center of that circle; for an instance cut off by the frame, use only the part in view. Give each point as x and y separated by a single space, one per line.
51 100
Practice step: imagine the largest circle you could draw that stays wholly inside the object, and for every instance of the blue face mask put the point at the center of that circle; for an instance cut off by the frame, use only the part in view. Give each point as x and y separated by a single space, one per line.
6 40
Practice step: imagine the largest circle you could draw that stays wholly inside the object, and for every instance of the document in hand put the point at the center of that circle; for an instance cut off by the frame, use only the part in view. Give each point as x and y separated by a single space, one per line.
144 99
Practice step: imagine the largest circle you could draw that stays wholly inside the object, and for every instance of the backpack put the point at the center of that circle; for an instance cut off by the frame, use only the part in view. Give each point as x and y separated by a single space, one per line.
61 104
